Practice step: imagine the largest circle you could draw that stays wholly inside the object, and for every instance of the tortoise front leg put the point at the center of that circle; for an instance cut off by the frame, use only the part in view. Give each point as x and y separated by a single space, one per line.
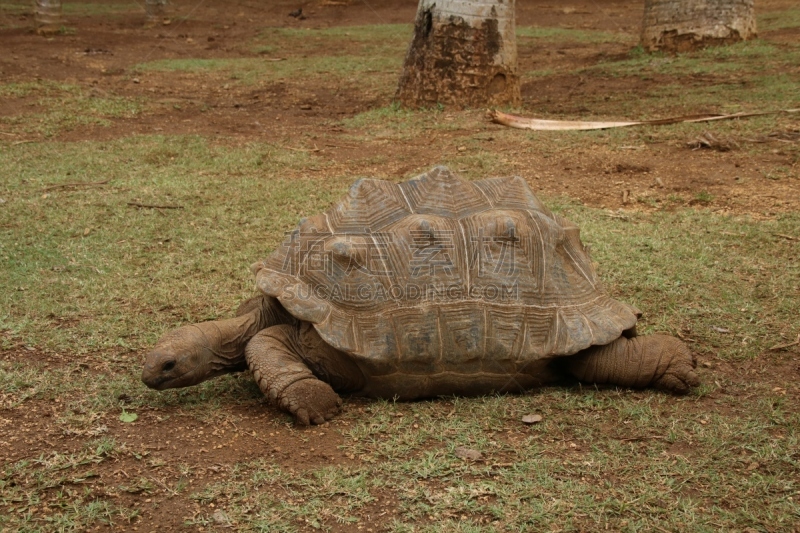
276 357
657 361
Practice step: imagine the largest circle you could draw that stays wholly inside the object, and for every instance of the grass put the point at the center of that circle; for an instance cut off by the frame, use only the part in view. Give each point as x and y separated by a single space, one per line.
91 281
778 20
98 249
748 56
53 108
371 54
87 271
256 70
571 36
79 9
77 256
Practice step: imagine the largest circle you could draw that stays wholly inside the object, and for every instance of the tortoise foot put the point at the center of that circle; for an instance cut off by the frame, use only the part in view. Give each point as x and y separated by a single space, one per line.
679 376
310 401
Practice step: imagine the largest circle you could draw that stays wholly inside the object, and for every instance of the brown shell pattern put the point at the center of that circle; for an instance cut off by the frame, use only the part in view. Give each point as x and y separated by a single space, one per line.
438 273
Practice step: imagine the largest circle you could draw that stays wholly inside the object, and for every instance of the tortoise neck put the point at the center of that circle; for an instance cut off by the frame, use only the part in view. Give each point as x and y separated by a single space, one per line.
229 337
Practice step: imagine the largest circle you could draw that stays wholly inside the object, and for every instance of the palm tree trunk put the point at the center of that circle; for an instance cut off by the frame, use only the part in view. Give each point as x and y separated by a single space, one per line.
47 14
683 25
464 53
156 10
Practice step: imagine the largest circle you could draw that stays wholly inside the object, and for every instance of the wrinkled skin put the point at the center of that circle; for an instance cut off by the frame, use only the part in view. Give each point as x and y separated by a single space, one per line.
302 375
187 356
191 354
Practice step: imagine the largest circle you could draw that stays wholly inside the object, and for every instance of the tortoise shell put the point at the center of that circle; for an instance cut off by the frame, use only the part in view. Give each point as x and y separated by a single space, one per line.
438 273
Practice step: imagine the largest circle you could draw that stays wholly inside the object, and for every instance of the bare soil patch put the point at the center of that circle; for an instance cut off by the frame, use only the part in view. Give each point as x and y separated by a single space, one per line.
170 446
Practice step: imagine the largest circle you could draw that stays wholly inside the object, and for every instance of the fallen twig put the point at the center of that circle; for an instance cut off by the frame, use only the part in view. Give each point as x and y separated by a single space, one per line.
154 206
779 347
76 184
707 140
315 149
644 437
515 121
789 237
22 142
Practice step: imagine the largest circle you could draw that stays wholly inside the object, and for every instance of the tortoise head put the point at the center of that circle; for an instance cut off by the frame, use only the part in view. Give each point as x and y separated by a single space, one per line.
192 354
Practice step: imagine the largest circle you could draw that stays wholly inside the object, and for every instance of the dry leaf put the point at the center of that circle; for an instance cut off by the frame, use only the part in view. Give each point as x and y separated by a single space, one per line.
525 123
468 453
531 419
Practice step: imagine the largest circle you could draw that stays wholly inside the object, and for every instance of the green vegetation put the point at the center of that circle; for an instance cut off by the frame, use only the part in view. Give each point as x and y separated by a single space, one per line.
374 56
53 108
571 36
778 20
251 70
77 9
749 57
78 255
105 244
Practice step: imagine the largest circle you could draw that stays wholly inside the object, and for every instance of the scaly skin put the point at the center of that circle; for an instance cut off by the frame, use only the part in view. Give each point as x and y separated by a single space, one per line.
302 374
282 359
191 354
658 361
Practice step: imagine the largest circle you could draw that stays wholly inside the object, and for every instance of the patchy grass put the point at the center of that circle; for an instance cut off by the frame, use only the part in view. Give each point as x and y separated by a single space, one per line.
91 280
754 56
386 34
571 36
80 254
371 54
768 92
52 108
728 282
255 70
778 20
77 9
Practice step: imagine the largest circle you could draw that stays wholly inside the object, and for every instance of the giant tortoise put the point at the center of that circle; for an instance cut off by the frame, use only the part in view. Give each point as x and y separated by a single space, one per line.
435 286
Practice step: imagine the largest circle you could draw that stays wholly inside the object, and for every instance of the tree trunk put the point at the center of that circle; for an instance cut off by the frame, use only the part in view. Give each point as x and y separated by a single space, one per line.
156 11
464 53
683 25
47 14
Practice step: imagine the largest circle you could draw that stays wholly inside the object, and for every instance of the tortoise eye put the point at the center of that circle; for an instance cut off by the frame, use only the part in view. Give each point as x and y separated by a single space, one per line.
169 365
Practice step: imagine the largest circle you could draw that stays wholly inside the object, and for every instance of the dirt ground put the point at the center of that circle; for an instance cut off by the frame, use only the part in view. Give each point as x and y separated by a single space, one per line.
97 57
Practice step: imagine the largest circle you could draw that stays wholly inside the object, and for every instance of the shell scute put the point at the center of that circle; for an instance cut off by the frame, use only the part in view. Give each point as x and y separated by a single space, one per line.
440 192
441 274
369 205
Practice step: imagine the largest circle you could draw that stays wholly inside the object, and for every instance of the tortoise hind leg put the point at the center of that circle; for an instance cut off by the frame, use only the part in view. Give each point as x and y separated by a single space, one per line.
287 363
657 361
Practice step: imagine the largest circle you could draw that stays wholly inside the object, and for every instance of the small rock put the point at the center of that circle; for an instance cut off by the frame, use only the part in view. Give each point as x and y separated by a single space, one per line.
753 466
468 453
135 80
531 419
305 107
221 518
462 148
707 364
